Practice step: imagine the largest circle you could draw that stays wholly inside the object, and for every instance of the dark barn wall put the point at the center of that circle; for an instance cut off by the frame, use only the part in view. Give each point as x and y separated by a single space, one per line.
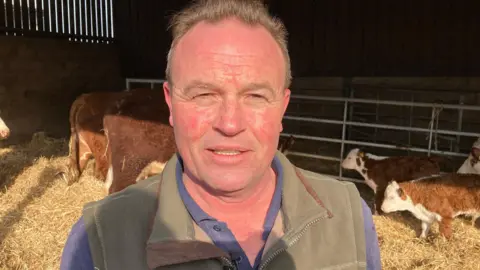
40 77
142 37
331 38
382 38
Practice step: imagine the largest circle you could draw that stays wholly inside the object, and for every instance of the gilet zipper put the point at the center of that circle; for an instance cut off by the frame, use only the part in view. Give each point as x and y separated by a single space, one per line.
292 242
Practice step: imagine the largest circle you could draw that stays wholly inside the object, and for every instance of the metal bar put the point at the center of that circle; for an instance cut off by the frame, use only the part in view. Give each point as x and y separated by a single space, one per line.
145 80
300 154
460 123
410 122
344 126
431 131
351 111
386 102
404 128
381 145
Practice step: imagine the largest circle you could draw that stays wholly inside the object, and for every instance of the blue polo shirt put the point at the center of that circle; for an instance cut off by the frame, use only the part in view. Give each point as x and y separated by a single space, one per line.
76 254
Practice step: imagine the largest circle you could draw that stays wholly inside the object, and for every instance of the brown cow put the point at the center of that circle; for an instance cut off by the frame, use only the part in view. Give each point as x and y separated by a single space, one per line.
140 139
378 171
438 198
87 138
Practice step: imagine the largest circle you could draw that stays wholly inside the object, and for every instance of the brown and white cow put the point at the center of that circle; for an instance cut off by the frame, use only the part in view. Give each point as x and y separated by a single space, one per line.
378 171
435 199
87 137
4 130
472 163
140 139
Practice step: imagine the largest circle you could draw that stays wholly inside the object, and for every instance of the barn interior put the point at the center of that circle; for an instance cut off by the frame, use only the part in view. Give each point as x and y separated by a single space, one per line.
393 78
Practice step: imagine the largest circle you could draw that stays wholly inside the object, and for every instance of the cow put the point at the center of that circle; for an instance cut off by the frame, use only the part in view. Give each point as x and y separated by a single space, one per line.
87 138
438 198
378 171
140 139
4 130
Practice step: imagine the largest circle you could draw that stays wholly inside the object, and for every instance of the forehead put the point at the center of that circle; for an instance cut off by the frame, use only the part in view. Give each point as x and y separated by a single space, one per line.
228 51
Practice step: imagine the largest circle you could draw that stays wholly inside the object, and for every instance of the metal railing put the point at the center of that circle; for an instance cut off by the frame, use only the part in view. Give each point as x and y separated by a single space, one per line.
152 82
348 101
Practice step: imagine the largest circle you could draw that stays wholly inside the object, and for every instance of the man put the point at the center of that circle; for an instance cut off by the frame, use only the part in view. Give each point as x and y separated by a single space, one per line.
228 199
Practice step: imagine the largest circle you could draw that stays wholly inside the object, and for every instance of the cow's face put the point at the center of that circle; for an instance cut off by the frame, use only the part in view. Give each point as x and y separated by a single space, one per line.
227 102
354 160
395 199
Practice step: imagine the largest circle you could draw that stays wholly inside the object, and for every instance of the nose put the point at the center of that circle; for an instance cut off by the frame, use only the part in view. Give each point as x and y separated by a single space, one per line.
230 120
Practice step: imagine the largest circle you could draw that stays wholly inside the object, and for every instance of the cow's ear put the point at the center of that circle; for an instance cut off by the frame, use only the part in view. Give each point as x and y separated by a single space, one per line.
361 154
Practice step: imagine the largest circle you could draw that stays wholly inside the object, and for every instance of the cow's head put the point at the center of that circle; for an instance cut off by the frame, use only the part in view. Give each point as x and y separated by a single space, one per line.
355 160
396 199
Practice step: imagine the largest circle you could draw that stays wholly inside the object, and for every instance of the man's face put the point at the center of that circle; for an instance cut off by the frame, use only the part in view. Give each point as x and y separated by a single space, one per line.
227 103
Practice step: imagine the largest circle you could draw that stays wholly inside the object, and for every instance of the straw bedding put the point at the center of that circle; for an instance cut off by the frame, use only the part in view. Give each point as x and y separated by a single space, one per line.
37 211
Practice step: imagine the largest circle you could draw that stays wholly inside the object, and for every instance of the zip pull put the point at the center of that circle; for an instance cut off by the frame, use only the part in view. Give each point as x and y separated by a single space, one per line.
236 262
229 264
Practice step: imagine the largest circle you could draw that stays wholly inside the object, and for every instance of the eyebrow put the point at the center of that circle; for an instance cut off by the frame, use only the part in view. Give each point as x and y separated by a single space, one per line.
206 85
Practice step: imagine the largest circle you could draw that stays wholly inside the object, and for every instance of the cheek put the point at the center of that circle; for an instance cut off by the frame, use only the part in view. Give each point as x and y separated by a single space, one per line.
266 123
192 121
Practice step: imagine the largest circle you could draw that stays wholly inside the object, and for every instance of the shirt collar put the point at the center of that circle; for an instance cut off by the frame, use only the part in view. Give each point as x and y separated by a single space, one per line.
199 215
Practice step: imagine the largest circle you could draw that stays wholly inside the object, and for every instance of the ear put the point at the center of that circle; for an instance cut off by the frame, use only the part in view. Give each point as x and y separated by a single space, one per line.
167 91
361 154
401 194
286 101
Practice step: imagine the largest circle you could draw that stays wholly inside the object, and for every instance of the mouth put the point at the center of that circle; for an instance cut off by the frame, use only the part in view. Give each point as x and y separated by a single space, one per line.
224 151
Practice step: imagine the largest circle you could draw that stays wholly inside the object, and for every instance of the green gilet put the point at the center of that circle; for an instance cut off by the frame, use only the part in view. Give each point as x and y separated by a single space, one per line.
146 226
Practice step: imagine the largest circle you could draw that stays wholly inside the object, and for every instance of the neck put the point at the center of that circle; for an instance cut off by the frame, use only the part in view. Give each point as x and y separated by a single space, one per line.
235 205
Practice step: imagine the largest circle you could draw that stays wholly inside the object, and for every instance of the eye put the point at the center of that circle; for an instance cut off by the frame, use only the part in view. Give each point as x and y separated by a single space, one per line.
202 95
257 96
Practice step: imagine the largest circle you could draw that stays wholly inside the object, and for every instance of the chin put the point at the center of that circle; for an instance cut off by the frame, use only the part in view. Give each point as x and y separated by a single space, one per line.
226 183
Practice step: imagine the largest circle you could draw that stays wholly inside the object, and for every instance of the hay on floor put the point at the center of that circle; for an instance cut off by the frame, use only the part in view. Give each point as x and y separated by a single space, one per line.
37 211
